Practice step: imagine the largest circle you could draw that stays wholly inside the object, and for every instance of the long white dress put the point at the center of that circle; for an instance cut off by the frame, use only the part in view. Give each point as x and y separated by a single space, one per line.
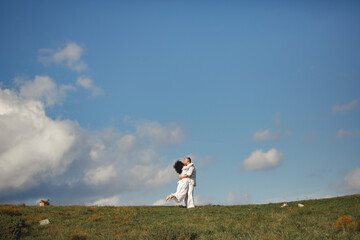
183 186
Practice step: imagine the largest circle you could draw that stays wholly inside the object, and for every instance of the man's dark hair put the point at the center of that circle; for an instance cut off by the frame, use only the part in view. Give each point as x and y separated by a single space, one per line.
188 158
178 166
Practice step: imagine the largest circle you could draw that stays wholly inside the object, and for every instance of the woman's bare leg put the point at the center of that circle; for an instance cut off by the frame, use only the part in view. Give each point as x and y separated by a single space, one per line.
169 197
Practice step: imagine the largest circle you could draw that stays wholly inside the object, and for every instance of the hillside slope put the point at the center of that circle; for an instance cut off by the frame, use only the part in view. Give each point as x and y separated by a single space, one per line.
316 220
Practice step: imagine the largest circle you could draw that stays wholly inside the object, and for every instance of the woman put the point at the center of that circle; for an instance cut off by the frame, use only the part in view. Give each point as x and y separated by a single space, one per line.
183 184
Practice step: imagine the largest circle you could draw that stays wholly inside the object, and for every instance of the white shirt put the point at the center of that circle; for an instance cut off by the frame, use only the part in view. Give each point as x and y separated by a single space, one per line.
191 172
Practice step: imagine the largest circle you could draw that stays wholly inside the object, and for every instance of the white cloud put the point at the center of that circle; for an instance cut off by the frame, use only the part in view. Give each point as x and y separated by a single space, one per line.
346 107
100 175
270 135
352 179
259 160
111 201
32 146
72 162
237 198
96 151
161 135
88 84
135 164
128 143
262 135
345 134
45 89
163 202
151 176
266 135
200 200
70 55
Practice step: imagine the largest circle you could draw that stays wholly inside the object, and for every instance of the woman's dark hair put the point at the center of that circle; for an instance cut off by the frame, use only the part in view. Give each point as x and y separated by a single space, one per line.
178 166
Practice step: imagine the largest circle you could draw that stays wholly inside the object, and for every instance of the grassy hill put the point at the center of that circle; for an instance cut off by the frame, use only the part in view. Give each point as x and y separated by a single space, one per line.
318 219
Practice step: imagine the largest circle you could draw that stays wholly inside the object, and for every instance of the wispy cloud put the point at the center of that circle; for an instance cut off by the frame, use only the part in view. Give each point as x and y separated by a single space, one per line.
43 88
100 175
268 135
346 107
237 198
345 134
352 179
163 202
350 183
161 135
111 201
88 84
259 160
70 56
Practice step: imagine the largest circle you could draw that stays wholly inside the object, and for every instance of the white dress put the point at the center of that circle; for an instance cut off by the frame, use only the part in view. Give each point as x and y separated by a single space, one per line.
183 186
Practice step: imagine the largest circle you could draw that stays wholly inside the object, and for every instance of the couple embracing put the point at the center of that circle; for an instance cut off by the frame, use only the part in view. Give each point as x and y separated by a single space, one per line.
186 183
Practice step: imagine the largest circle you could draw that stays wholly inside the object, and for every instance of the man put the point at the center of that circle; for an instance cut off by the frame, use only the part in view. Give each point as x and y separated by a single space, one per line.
189 199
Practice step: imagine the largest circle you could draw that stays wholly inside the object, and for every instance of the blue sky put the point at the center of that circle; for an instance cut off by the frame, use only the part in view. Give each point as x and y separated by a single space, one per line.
264 97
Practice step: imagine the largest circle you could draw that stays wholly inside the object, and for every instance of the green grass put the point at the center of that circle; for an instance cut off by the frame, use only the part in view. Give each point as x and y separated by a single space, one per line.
314 221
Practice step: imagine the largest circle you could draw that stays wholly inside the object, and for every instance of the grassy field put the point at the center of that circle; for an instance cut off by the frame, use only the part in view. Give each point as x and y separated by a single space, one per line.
319 219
